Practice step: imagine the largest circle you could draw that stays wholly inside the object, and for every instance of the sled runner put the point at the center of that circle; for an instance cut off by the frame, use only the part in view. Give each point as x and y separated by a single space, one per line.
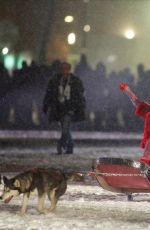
122 175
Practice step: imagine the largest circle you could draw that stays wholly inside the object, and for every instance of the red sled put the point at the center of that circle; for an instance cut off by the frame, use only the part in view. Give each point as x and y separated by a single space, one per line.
122 175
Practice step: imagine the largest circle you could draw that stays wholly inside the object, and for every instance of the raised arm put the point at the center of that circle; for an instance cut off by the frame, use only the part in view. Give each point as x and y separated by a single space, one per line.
126 89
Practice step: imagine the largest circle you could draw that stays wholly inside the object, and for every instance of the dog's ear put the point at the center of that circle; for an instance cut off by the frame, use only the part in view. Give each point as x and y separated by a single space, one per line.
16 183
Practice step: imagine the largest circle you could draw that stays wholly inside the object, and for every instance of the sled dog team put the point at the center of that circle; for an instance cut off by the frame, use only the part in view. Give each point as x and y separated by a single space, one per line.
48 182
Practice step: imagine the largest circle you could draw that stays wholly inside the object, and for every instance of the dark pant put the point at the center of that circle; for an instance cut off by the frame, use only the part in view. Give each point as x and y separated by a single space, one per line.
65 143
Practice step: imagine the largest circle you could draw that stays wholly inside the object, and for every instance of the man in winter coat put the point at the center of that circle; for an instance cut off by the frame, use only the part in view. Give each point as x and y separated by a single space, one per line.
64 102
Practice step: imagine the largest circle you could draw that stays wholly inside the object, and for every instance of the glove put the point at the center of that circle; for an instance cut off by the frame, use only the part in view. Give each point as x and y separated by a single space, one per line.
123 86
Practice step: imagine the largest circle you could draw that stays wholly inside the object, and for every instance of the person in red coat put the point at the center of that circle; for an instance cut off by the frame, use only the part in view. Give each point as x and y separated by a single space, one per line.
142 111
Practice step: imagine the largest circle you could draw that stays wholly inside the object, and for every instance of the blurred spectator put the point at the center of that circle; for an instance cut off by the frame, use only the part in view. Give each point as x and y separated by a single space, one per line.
87 76
21 96
4 87
64 102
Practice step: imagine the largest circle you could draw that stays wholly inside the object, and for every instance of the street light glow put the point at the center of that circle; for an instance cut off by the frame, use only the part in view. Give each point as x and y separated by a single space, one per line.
86 28
69 19
129 34
5 51
9 61
71 38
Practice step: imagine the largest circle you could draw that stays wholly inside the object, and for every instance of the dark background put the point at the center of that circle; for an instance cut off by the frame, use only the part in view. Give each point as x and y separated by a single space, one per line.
35 33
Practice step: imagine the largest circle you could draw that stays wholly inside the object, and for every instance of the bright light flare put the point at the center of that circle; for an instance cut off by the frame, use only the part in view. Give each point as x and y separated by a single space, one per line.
71 38
5 50
9 61
129 34
86 28
69 19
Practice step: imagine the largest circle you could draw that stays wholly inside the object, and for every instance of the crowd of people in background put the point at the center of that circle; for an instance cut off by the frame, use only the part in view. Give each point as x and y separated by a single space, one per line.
22 93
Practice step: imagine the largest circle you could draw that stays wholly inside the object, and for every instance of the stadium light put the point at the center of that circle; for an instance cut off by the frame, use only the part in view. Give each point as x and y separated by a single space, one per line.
86 28
71 38
129 34
69 19
5 50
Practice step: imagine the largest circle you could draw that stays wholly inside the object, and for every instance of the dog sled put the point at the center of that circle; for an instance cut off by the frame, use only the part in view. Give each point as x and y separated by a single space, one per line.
122 175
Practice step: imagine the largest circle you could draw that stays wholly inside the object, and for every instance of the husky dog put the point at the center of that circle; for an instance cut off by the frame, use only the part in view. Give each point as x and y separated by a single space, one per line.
51 182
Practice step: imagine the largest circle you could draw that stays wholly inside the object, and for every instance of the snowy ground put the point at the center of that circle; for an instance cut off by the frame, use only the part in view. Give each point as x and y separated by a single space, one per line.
84 206
82 158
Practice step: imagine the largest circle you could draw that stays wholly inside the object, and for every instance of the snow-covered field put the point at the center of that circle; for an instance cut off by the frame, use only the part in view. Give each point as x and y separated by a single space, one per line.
84 206
82 158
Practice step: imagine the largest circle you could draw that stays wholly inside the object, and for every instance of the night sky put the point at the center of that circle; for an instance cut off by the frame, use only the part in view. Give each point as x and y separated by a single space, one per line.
40 28
109 21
